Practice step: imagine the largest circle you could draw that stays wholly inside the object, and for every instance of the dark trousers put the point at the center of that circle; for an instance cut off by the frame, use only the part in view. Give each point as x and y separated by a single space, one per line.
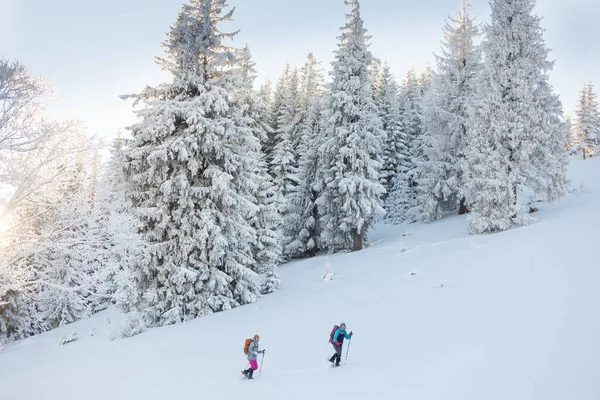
337 357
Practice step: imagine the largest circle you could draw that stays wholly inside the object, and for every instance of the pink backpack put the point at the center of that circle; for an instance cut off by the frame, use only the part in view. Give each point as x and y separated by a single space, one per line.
335 328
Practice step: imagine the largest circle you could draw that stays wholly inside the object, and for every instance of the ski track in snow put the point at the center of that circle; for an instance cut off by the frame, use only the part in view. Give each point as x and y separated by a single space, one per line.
512 315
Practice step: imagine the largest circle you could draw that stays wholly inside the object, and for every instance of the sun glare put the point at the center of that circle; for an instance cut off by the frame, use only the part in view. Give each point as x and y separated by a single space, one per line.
5 225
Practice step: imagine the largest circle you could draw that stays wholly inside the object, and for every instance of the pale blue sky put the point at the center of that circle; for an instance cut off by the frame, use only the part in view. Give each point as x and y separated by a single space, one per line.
94 50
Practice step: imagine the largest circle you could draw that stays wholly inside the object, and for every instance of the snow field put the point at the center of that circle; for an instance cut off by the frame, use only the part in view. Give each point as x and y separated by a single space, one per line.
505 316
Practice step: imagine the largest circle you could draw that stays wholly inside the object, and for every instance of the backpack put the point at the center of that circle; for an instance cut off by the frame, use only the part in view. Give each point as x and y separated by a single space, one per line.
247 346
335 328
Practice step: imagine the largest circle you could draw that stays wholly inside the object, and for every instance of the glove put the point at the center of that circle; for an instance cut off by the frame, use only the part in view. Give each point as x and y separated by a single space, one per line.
262 352
351 333
338 344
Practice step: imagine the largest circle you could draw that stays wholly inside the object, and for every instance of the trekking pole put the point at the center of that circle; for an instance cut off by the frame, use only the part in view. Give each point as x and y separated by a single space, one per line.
261 363
348 350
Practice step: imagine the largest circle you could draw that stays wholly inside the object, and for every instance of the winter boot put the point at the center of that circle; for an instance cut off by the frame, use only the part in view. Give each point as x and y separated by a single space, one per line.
245 372
250 374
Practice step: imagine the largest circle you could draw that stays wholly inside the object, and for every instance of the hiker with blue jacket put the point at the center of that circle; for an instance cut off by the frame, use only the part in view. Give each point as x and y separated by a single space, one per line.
251 348
337 340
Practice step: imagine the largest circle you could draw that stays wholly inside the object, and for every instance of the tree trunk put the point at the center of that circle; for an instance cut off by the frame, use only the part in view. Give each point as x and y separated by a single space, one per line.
463 209
358 241
314 250
515 202
583 150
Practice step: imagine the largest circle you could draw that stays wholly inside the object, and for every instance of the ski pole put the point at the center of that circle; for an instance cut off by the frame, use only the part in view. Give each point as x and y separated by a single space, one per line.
261 363
348 350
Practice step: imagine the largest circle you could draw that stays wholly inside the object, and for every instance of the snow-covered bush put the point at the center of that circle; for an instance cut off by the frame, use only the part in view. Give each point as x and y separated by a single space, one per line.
271 282
131 326
327 273
74 337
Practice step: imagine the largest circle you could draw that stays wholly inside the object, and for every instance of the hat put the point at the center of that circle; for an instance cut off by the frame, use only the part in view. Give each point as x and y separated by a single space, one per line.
256 337
343 324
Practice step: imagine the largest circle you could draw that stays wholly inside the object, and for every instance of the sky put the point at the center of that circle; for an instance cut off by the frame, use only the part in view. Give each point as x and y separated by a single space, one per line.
93 51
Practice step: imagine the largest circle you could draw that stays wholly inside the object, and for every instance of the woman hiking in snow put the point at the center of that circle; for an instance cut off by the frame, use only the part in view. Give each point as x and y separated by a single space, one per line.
251 349
337 340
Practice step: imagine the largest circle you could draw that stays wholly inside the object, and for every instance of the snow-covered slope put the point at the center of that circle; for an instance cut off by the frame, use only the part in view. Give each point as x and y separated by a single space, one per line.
437 314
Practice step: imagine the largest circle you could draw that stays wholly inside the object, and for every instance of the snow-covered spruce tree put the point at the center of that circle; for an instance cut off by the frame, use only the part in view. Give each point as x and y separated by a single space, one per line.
265 98
401 202
119 278
573 146
284 164
271 282
425 79
416 138
266 220
411 98
445 118
276 110
517 138
256 104
375 72
266 248
395 151
11 318
301 219
189 164
352 149
587 124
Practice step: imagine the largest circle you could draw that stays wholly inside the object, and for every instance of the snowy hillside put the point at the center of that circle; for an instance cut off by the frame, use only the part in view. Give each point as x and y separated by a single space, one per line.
436 314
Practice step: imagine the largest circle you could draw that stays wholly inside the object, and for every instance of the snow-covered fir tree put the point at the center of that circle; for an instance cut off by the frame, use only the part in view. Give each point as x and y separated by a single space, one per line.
267 250
191 166
401 202
425 79
351 154
266 220
119 277
271 282
395 151
265 97
284 163
573 145
518 138
300 225
586 131
446 116
257 104
375 72
276 110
